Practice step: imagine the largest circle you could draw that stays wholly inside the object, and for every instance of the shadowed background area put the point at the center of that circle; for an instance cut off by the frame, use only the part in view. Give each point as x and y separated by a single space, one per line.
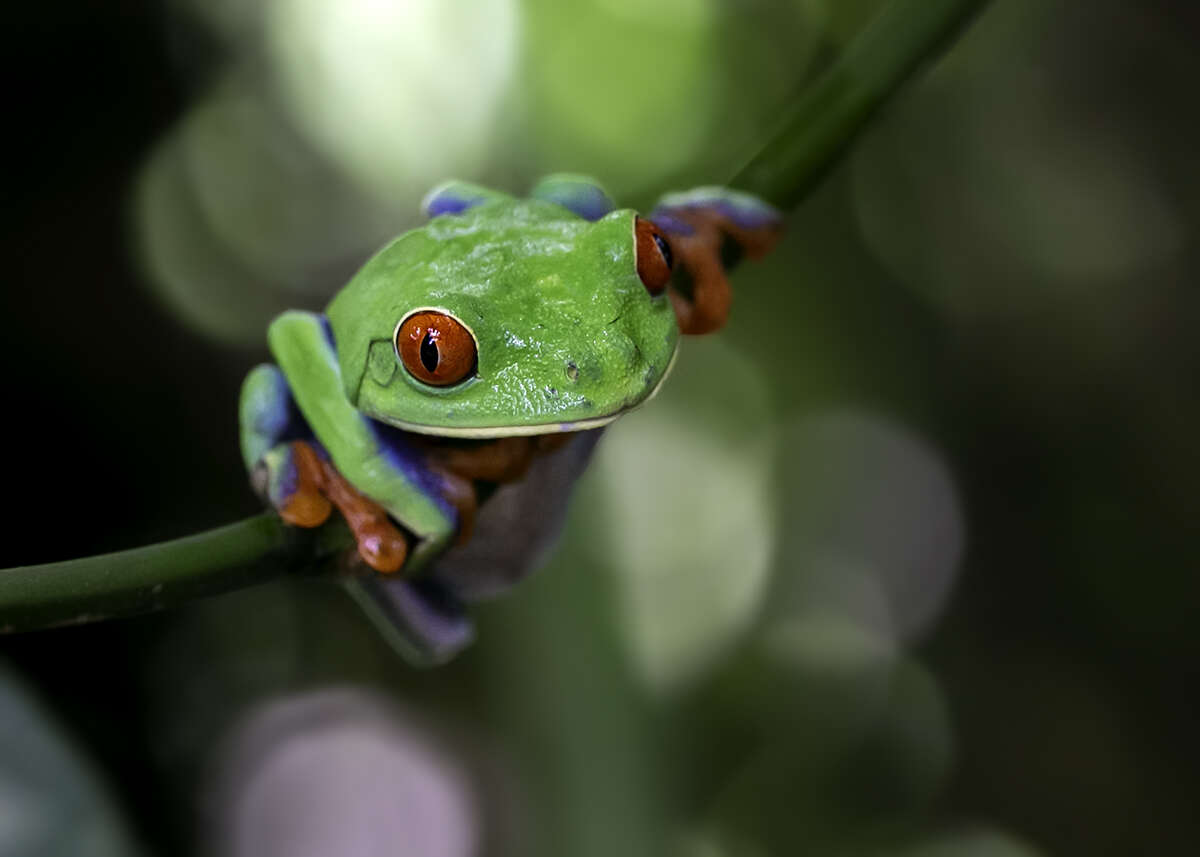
900 563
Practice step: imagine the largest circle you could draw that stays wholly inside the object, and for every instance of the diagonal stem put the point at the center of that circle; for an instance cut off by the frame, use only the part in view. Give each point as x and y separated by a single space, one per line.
826 119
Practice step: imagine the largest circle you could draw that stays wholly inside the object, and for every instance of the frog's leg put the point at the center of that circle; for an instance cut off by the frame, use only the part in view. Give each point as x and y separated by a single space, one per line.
266 413
419 617
297 479
580 194
424 618
269 422
709 230
460 465
455 197
378 463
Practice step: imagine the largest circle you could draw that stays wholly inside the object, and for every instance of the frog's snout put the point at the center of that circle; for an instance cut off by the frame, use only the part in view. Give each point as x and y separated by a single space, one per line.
611 357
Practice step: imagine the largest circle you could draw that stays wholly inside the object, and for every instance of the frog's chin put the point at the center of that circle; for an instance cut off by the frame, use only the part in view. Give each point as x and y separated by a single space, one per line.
555 427
492 432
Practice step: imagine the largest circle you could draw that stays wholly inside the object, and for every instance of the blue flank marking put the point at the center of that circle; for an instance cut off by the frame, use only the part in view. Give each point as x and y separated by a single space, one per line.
278 418
407 459
272 414
328 328
284 484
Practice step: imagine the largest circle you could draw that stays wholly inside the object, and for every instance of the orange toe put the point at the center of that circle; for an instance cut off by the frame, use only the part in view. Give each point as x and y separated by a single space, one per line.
382 547
306 509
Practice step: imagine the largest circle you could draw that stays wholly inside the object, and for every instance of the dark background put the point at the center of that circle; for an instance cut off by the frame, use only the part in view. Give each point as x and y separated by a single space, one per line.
1006 267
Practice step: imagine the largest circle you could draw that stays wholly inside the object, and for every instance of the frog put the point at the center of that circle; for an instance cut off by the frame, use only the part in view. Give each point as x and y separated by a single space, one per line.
452 392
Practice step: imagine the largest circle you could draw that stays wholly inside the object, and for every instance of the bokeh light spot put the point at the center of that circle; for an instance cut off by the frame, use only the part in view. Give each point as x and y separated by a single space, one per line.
400 94
863 493
337 772
274 202
626 94
689 500
194 275
51 803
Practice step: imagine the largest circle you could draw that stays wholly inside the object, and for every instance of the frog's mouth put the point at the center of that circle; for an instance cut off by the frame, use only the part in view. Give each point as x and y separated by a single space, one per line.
526 430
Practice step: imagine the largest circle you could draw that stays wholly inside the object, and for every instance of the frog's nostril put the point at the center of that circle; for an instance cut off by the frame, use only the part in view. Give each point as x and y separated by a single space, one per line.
572 371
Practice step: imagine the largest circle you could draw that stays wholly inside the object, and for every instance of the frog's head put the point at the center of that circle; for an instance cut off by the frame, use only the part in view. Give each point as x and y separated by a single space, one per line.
509 317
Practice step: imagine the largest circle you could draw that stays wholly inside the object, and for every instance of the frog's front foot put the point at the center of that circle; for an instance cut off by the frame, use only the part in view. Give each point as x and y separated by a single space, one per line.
304 487
709 230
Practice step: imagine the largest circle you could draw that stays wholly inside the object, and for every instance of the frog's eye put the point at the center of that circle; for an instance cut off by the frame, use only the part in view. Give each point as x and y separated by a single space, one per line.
435 348
653 256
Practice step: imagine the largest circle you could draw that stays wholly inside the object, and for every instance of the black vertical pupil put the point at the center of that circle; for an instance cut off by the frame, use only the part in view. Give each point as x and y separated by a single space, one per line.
665 249
429 351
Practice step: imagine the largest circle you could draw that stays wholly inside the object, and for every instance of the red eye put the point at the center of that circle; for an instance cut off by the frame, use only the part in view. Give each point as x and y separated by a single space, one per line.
435 348
653 256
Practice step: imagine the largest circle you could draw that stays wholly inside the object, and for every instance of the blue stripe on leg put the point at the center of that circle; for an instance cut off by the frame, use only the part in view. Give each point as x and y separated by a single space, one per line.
267 413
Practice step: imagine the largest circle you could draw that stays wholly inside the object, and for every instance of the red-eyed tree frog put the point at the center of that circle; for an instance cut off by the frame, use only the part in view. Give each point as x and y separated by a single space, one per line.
454 389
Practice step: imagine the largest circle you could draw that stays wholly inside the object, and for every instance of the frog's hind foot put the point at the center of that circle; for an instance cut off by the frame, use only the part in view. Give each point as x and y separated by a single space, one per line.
421 618
286 478
304 486
710 230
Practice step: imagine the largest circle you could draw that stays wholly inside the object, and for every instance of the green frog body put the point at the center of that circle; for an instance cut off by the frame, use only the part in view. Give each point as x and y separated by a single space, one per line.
454 389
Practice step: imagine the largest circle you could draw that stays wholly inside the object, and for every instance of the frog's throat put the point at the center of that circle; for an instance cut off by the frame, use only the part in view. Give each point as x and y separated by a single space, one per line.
492 432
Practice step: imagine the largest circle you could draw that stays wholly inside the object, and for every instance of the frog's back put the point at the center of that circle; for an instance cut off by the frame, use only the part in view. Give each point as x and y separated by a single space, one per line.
473 251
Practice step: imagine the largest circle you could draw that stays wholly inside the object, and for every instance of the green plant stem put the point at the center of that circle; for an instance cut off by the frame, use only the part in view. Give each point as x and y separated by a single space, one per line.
810 137
147 578
831 111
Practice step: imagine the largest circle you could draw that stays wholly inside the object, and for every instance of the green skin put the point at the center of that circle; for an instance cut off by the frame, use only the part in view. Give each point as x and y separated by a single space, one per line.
541 290
568 338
